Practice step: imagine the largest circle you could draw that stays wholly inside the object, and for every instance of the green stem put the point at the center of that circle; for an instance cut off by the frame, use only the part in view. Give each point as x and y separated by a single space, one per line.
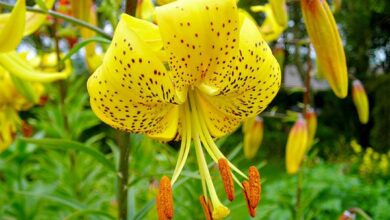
123 140
298 208
64 17
360 212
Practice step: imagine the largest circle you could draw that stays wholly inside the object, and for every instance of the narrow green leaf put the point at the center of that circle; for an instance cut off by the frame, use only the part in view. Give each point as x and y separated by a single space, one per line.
145 210
82 44
79 214
67 144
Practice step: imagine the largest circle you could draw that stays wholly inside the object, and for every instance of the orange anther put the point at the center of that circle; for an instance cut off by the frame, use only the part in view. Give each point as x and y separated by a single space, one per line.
227 178
246 192
254 187
164 200
206 208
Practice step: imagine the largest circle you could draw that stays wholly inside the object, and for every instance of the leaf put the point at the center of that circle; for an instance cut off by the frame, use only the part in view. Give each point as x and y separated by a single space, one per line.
82 44
67 144
78 214
147 207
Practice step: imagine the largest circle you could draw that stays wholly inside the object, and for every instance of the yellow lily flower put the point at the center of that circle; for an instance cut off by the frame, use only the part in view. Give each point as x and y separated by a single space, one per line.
296 145
311 119
11 101
219 72
360 100
253 129
325 37
270 28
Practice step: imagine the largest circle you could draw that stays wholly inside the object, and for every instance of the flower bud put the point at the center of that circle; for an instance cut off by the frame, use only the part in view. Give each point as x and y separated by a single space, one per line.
360 100
311 120
279 9
296 145
325 37
253 130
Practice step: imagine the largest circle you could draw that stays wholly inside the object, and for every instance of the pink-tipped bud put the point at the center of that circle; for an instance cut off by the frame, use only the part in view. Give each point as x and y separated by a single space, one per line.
311 120
360 100
325 37
296 145
253 129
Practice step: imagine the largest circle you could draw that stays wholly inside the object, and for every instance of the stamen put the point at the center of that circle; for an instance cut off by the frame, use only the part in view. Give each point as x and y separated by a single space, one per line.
164 200
246 192
254 187
185 143
206 208
227 178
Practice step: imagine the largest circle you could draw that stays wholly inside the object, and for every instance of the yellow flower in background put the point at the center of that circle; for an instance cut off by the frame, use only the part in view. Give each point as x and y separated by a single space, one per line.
360 100
296 145
270 29
11 102
21 68
86 11
218 72
311 120
325 37
279 9
253 129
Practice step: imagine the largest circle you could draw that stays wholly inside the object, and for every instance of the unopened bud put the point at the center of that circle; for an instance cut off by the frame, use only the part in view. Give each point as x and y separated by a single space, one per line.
360 100
296 145
253 129
325 37
311 120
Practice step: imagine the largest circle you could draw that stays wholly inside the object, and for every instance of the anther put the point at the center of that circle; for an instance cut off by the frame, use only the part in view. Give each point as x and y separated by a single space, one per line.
164 199
206 208
227 178
254 187
246 192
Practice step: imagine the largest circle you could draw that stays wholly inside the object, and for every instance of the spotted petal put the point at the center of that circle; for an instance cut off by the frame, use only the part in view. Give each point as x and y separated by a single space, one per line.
248 85
131 90
197 35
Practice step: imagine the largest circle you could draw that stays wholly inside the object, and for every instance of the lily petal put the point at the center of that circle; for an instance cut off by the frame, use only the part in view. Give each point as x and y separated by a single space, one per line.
198 35
12 32
132 90
23 70
252 81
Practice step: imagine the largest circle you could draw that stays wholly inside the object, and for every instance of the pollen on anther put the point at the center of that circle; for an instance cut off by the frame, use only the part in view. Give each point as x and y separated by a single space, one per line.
227 178
165 199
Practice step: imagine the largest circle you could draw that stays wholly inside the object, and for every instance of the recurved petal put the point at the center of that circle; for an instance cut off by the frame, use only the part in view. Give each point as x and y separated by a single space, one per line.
253 79
12 32
131 90
199 37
